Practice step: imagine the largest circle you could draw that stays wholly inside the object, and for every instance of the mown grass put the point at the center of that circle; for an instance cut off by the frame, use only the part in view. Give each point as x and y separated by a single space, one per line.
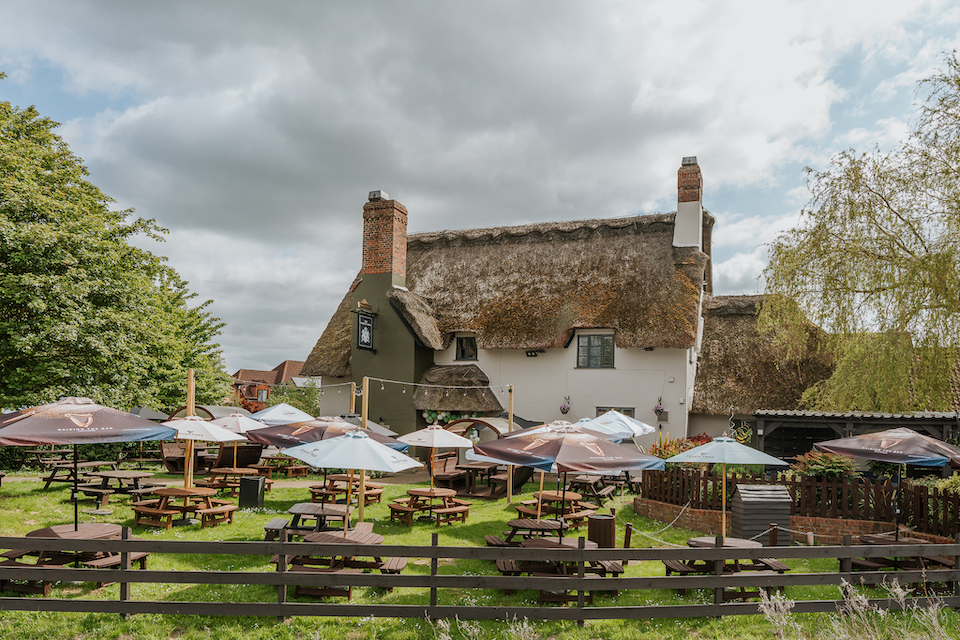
27 506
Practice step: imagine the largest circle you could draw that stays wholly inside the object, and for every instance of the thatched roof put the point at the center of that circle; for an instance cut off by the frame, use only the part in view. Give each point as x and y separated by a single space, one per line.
476 397
532 286
331 354
420 316
738 367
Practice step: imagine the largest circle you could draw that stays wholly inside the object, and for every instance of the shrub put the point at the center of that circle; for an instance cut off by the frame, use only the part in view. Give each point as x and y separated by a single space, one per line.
817 464
951 484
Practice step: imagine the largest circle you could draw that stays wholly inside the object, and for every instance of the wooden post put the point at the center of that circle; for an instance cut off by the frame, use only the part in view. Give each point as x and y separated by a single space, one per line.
956 566
509 429
353 397
364 405
434 565
124 567
773 539
846 564
363 425
718 571
281 569
581 596
188 448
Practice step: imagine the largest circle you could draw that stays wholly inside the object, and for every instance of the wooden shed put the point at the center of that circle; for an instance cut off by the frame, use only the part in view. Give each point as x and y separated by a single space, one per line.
756 506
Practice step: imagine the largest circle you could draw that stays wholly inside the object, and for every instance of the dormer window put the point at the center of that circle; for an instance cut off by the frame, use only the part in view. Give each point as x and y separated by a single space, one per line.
595 351
466 348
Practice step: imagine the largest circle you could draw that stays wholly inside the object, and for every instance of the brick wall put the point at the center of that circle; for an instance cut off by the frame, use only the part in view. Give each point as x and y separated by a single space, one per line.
385 237
827 531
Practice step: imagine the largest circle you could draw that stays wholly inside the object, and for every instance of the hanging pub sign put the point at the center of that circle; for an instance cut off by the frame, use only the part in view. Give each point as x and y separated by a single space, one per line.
365 325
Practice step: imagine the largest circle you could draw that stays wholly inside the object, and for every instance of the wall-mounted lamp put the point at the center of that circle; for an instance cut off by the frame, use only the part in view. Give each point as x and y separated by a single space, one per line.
532 353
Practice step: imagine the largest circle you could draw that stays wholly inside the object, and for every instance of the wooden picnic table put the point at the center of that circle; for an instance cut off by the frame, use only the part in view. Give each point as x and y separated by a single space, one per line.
475 471
292 467
68 471
558 502
903 562
426 498
319 512
229 477
44 459
121 480
532 528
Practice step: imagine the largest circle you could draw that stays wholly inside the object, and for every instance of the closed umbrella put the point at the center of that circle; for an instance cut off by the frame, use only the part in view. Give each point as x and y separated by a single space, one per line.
899 446
724 450
435 437
353 450
77 421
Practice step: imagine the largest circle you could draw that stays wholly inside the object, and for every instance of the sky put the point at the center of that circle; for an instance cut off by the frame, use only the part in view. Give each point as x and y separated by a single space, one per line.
253 131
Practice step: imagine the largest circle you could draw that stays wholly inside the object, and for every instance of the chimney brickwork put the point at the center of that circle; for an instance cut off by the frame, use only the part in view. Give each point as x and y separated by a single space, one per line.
385 238
689 181
688 227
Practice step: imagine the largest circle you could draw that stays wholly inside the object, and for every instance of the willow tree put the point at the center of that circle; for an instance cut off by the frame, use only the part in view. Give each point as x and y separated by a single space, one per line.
875 262
82 310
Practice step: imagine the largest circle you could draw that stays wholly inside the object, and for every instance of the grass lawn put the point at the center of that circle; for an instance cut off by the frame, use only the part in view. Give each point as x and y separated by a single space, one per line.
27 506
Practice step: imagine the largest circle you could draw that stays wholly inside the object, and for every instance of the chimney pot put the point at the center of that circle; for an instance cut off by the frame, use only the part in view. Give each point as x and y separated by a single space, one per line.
375 196
689 160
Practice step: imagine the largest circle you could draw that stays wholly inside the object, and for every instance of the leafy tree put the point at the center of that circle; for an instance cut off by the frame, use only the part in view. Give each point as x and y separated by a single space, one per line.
307 398
876 263
82 311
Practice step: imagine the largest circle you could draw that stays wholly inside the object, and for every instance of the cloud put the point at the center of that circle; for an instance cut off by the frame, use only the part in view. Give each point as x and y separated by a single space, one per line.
254 131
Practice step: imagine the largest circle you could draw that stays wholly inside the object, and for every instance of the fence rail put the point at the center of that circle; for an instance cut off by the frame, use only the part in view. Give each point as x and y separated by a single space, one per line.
926 509
280 580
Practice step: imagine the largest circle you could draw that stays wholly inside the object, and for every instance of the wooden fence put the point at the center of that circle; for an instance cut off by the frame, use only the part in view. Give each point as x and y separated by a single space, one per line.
277 582
927 510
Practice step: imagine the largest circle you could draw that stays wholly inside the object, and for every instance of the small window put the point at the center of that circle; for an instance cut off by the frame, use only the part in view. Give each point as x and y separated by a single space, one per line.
466 348
595 352
627 411
262 395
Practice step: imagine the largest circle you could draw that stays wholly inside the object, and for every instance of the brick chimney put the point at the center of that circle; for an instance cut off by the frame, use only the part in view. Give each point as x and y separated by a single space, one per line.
688 228
385 237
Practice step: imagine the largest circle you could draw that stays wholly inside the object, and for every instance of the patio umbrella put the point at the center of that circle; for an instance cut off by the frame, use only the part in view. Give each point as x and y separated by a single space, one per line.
196 428
76 421
435 437
568 449
355 418
617 424
314 430
353 450
280 414
724 450
562 426
899 446
237 423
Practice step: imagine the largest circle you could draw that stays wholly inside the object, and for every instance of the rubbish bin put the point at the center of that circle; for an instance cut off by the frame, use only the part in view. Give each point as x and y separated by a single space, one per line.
602 530
251 491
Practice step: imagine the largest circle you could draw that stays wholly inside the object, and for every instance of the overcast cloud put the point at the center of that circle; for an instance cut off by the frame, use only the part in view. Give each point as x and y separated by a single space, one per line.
253 131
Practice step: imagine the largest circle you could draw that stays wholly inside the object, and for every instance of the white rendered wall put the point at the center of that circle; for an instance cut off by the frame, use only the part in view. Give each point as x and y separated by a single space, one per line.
688 229
637 380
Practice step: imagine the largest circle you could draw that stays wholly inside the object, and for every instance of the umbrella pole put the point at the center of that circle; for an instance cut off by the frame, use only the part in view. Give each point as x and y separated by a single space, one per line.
563 501
540 496
896 506
362 495
346 515
723 506
76 490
